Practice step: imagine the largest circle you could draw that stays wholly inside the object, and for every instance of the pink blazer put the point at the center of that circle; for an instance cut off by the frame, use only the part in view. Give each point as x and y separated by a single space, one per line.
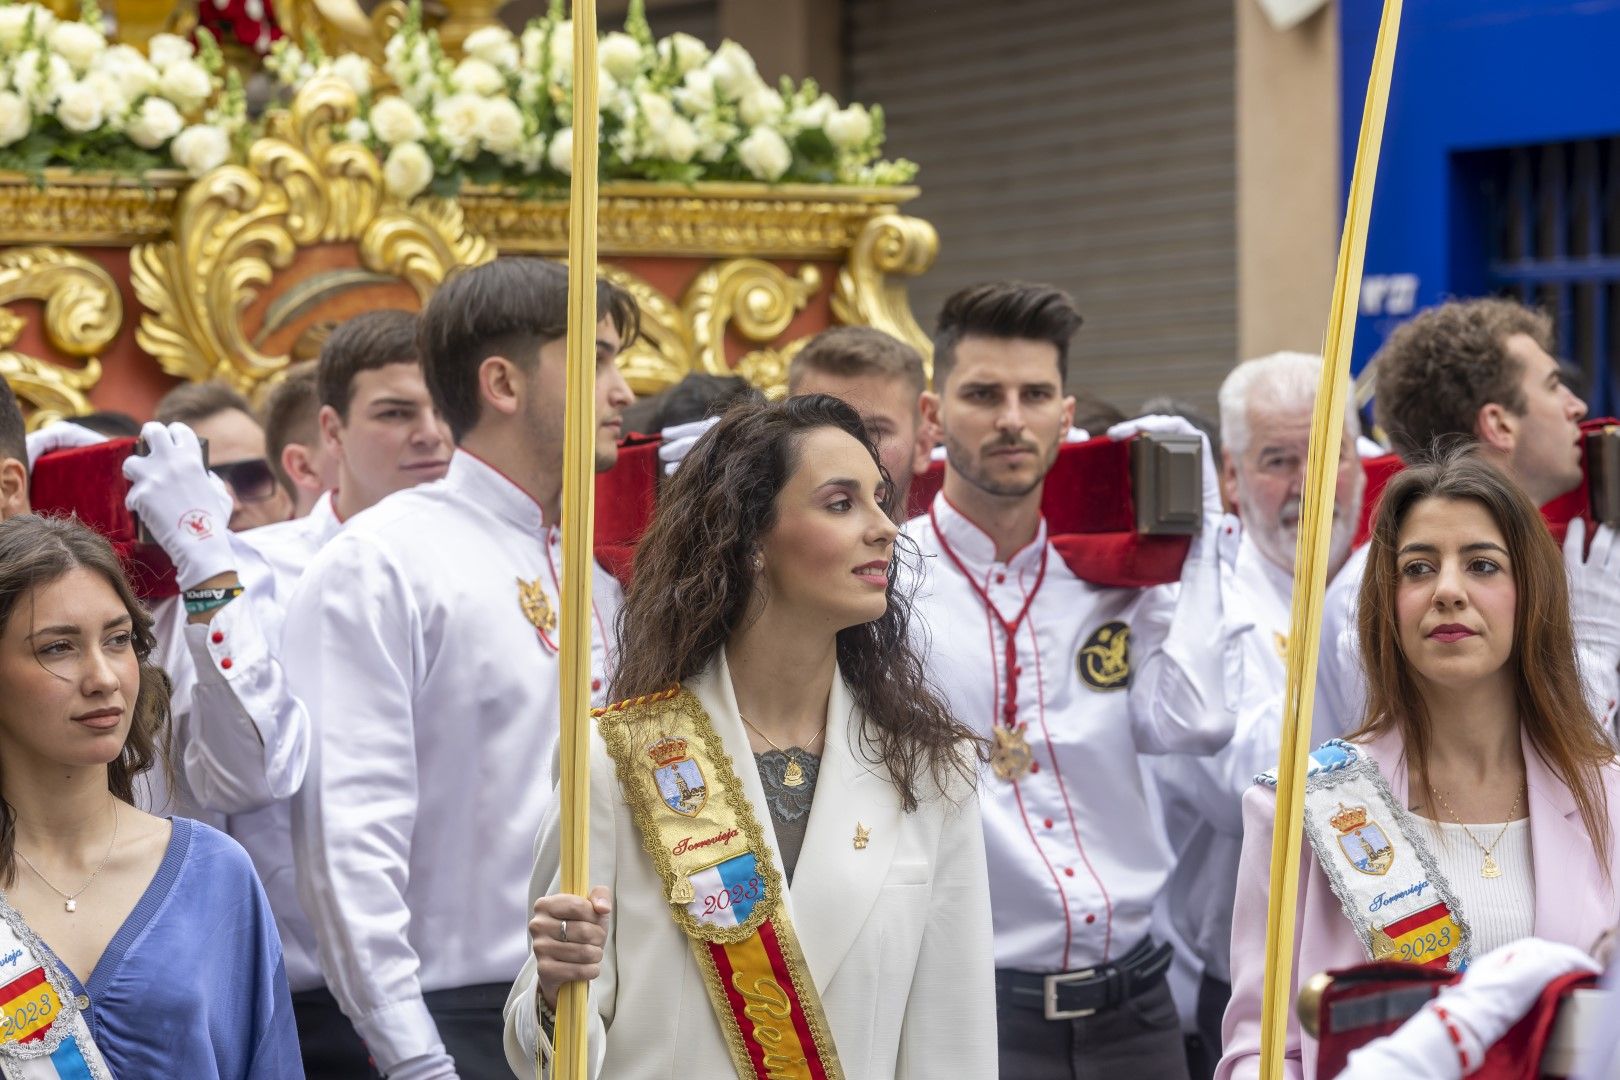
1574 904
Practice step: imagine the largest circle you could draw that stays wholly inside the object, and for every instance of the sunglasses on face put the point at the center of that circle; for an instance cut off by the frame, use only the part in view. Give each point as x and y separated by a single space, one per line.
250 481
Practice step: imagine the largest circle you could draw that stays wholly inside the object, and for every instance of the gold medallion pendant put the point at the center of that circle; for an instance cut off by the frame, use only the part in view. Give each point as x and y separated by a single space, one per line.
1490 869
1011 758
793 775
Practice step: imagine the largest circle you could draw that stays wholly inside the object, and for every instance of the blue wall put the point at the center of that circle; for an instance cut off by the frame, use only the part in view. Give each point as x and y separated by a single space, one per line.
1469 75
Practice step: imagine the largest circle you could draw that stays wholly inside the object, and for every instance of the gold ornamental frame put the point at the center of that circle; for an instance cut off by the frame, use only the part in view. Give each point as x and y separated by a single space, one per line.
238 225
82 315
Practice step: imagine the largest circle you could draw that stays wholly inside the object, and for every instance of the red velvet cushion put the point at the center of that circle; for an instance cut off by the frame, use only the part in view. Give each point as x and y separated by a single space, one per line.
88 483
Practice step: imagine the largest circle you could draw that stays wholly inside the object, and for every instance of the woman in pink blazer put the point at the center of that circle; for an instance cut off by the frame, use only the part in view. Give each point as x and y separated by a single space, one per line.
1476 721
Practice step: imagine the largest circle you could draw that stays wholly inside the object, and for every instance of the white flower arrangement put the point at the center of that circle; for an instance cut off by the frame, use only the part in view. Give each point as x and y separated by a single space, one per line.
70 98
671 110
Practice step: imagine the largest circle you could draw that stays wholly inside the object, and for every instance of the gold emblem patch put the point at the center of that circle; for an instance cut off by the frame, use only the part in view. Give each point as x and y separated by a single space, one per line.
1104 661
536 605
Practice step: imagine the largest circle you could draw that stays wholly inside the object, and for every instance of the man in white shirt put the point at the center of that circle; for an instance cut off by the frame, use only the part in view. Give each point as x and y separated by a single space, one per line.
292 437
1266 406
423 641
1072 682
883 379
242 737
1481 371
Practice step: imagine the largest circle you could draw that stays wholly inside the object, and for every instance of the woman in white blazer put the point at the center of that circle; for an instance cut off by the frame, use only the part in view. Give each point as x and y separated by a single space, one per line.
766 588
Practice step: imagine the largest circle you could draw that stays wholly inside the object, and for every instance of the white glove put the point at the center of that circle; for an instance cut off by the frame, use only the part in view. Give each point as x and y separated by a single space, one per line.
1594 606
1450 1036
426 1067
184 508
679 440
62 435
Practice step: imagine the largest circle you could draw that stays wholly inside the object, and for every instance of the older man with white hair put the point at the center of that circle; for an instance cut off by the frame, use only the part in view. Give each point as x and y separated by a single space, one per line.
1266 407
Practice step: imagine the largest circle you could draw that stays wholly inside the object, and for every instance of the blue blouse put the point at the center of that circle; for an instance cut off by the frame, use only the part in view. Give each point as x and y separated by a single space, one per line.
192 986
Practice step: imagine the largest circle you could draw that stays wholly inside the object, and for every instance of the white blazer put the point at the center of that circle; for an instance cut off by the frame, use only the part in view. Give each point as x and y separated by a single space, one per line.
897 935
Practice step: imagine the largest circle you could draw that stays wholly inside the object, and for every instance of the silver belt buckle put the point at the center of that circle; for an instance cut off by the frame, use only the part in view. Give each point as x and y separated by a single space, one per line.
1052 984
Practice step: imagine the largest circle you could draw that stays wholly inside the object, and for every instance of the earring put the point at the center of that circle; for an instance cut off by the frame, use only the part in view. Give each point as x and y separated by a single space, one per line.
759 562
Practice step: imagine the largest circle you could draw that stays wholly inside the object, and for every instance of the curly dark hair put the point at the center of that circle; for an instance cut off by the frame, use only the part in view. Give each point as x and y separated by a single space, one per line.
1440 368
36 551
695 576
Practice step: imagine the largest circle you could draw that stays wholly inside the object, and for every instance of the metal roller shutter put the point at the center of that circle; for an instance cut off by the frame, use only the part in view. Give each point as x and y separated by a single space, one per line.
1089 143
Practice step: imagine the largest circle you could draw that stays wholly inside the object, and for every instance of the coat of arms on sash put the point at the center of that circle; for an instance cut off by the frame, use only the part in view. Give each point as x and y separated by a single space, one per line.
1362 840
680 779
1104 662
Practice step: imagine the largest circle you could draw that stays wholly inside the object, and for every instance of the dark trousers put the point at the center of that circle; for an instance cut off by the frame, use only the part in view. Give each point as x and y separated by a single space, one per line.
331 1049
472 1027
1138 1038
1204 1047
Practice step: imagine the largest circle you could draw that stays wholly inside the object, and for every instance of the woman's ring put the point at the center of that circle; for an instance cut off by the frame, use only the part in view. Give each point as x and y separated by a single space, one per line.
564 935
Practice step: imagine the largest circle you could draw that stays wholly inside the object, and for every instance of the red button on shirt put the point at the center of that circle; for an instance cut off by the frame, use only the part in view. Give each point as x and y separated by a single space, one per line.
1091 919
1047 823
596 684
1034 766
218 637
1069 870
1001 579
226 663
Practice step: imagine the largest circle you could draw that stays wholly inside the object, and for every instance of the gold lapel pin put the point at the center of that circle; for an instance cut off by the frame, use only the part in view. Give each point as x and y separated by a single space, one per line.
862 835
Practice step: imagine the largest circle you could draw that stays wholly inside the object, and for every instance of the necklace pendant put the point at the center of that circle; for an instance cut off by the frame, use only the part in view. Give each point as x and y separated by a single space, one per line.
1011 758
1490 869
793 776
70 905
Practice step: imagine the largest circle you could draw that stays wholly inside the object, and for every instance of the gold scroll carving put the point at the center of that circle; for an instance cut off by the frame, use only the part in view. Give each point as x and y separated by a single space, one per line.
871 288
82 314
238 225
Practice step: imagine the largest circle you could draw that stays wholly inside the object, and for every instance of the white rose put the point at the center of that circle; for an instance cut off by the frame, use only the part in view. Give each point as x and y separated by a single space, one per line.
714 136
733 70
155 123
502 129
114 97
696 92
680 140
761 105
534 36
408 170
459 118
395 122
78 44
166 49
813 115
689 53
560 154
493 45
475 76
79 108
185 83
849 128
619 55
655 109
15 119
13 21
355 70
132 71
765 154
200 147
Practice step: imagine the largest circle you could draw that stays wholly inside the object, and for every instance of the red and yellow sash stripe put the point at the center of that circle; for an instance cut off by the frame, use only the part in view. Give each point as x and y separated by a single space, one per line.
724 891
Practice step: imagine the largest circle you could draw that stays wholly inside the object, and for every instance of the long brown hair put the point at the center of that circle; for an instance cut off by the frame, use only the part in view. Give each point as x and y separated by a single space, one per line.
1547 684
695 577
36 551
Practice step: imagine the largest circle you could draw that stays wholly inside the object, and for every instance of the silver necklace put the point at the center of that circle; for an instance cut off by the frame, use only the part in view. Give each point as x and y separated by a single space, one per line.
70 901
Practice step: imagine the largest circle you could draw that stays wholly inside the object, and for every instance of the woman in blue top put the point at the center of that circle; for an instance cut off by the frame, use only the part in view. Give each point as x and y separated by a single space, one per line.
131 946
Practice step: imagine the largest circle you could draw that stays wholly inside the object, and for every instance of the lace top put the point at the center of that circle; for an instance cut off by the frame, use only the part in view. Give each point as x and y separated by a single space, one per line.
789 806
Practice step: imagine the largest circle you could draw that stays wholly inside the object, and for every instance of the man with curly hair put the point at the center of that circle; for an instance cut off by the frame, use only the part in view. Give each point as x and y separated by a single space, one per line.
1482 371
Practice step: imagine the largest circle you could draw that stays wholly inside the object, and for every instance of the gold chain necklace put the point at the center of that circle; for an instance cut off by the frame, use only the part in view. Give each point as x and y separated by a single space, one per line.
1488 869
70 901
793 776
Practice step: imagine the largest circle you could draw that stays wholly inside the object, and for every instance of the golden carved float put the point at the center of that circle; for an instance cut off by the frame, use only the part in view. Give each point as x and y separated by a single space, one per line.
148 280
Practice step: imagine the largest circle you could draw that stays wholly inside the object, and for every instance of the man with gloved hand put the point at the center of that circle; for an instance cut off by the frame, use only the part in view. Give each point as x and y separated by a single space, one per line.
1072 682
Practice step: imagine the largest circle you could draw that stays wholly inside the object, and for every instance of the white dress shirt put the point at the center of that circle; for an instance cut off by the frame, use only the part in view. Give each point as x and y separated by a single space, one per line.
242 738
1075 859
1203 795
433 703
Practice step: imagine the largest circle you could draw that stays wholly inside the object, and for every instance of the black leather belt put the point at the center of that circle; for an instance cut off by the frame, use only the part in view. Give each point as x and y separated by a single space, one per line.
1071 994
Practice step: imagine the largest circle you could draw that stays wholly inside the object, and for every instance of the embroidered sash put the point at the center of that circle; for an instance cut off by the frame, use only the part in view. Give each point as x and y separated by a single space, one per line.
1378 864
724 891
43 1035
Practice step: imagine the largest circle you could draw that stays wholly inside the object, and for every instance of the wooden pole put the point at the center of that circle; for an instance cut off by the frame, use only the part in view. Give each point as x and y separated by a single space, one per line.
578 520
1311 559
